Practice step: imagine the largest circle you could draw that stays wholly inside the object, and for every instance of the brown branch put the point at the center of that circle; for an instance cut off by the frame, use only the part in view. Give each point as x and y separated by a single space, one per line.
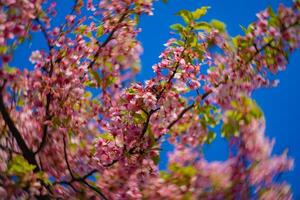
45 34
65 24
258 51
83 180
180 115
26 152
3 85
78 179
146 124
89 174
66 158
171 77
95 189
109 37
48 97
114 161
45 126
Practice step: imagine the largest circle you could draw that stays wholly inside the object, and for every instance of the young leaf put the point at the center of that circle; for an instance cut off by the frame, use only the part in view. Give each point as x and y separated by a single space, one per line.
99 31
186 16
200 12
177 27
19 166
96 76
218 25
202 26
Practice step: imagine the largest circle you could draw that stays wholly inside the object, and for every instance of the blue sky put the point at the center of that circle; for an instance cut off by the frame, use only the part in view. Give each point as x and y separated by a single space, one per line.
280 105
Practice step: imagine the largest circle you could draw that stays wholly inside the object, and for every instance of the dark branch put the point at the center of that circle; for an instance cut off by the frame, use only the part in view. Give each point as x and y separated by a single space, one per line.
180 115
171 77
66 158
95 189
48 97
109 37
45 126
82 180
26 152
146 124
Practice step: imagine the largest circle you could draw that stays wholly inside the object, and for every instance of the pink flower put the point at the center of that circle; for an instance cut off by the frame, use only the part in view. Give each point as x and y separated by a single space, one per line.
194 84
36 57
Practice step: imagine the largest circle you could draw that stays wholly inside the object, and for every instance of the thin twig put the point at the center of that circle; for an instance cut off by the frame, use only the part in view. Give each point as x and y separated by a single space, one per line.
109 37
66 158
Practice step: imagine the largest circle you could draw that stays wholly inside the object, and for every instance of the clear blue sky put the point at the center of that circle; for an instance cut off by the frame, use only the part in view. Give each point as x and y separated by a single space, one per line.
280 105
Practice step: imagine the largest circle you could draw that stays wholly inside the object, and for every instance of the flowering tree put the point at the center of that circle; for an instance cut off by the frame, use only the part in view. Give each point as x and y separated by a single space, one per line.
60 141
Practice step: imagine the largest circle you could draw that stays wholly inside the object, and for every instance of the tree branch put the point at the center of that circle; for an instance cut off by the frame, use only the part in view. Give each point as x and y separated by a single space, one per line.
26 152
95 189
180 115
109 37
171 77
66 158
48 97
83 181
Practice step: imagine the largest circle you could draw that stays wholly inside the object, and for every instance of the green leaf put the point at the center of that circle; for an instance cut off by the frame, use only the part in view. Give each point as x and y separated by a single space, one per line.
235 41
88 95
3 49
156 159
136 18
202 26
179 42
19 166
42 176
120 58
10 70
189 171
107 136
111 80
192 40
218 25
96 76
210 137
164 175
20 102
200 12
186 16
138 118
131 91
99 31
177 27
229 130
89 84
244 110
81 29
